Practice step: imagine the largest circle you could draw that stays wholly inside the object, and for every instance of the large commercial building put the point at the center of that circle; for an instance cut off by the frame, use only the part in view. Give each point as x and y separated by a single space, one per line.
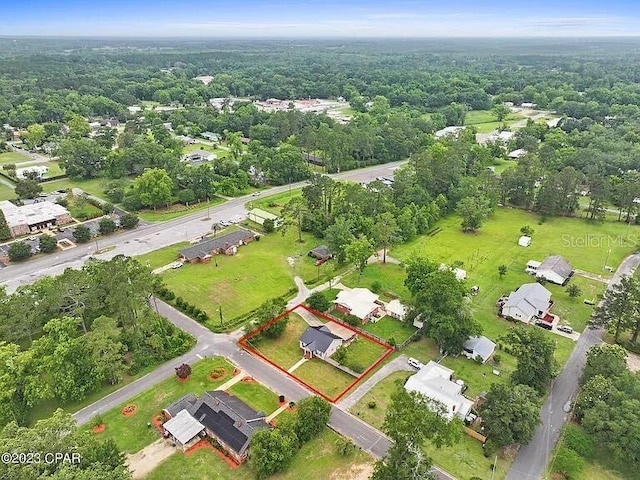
31 218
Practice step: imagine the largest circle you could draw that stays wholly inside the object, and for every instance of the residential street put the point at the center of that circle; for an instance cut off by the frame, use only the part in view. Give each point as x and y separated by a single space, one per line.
150 237
531 461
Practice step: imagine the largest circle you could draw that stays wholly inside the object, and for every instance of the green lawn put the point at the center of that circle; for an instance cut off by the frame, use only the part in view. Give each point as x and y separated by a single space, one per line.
363 352
164 256
318 456
6 193
485 121
13 157
274 203
284 350
220 153
389 275
83 211
324 377
388 327
573 311
177 210
584 244
94 186
131 433
236 283
381 395
501 165
256 396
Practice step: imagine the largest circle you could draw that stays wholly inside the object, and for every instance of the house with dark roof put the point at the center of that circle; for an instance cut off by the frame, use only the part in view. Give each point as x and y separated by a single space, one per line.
321 253
218 415
320 342
555 269
199 156
226 244
529 301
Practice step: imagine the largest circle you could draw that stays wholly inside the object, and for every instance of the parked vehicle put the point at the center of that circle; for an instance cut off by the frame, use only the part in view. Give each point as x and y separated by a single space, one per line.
565 328
417 364
545 325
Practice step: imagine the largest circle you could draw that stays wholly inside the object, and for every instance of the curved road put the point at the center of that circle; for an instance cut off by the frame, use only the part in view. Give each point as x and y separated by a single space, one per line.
147 238
531 461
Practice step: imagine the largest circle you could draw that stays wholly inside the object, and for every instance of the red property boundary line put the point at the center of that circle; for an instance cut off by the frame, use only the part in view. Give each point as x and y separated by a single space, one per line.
243 342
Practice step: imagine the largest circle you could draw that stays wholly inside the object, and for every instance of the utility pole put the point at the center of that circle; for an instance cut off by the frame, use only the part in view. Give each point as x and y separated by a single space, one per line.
493 470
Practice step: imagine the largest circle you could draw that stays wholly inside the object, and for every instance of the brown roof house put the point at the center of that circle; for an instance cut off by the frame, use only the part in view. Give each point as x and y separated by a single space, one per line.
227 244
218 415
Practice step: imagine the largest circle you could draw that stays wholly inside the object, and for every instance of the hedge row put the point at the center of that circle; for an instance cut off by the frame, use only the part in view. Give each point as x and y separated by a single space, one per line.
182 305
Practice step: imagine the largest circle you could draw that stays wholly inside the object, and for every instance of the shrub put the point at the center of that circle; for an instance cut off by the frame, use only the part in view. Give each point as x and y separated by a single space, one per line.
568 463
169 295
82 234
63 202
19 251
578 440
179 302
371 405
183 371
376 286
269 226
129 221
318 301
106 226
107 208
497 358
47 243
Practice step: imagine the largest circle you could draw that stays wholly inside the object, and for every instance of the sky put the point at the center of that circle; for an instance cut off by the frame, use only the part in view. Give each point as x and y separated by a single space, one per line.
314 18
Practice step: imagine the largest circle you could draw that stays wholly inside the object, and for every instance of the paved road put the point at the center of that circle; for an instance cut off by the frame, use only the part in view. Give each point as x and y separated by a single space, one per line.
531 461
147 238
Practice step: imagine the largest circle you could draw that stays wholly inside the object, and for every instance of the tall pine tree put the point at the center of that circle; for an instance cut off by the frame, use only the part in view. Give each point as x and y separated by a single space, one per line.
5 233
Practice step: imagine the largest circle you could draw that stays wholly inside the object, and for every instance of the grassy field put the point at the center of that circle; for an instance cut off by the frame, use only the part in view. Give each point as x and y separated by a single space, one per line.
236 284
6 192
13 157
485 121
364 352
318 456
390 276
94 186
381 395
324 377
177 210
274 203
284 350
256 396
388 327
132 433
164 256
220 153
501 165
585 245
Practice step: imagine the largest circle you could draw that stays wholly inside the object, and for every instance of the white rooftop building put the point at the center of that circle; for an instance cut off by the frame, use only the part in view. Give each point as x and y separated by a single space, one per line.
31 218
434 381
359 302
396 309
453 130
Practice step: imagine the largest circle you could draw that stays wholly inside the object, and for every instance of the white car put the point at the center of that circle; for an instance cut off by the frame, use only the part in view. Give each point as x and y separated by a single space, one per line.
565 328
255 194
417 364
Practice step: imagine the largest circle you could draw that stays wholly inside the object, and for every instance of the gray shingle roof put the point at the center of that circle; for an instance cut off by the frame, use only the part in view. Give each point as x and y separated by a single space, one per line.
183 403
317 339
206 247
320 252
557 264
480 346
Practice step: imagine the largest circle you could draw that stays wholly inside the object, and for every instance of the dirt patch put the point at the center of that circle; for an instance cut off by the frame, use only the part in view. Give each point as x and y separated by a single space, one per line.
99 428
182 380
146 460
248 380
129 409
633 360
356 472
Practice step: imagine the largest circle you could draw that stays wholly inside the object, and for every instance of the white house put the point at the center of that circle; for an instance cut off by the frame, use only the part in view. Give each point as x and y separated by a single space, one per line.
532 267
481 347
434 381
396 309
529 301
359 302
521 152
524 241
453 130
259 216
199 156
555 269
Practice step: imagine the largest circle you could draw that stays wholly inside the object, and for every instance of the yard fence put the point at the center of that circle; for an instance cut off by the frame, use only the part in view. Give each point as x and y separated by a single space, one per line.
472 433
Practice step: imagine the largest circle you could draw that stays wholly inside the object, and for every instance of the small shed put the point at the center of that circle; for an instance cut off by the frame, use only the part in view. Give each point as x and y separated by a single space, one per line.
524 241
184 429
